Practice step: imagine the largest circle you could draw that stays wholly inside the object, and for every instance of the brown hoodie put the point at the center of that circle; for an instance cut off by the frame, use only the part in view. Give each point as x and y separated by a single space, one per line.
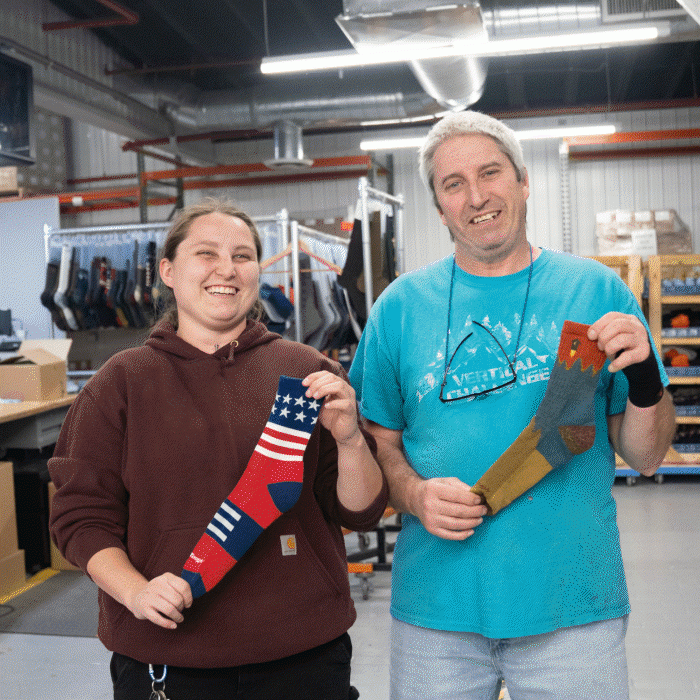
150 448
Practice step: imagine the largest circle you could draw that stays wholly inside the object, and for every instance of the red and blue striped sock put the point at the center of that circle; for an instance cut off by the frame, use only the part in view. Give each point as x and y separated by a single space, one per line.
270 486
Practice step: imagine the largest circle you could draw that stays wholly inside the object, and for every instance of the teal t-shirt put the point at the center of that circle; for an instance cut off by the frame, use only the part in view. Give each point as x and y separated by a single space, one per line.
551 558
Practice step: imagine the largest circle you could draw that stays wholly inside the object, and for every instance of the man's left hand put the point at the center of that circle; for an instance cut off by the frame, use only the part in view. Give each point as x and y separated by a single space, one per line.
623 334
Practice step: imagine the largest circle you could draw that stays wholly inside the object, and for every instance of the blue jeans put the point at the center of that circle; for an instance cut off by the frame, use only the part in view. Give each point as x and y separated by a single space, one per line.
572 663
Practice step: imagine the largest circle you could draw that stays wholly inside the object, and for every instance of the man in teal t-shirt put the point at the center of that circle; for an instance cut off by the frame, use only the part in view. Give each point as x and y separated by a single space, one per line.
462 365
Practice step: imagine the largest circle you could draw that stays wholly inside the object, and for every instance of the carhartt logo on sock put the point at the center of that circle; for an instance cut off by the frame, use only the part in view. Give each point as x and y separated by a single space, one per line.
271 484
289 545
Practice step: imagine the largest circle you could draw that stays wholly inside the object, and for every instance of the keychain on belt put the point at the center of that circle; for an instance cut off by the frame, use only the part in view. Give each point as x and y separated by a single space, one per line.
157 694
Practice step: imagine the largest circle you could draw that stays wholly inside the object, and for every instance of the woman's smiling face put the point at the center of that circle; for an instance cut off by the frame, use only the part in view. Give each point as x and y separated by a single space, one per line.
214 275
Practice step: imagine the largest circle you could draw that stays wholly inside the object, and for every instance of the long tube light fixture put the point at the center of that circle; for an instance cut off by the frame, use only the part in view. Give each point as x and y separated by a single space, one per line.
501 47
551 133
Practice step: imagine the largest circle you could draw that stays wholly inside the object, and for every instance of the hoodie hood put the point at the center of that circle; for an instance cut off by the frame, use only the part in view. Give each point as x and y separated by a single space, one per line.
165 339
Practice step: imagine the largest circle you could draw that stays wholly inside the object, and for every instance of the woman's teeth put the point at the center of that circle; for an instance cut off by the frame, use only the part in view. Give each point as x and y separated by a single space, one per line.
221 290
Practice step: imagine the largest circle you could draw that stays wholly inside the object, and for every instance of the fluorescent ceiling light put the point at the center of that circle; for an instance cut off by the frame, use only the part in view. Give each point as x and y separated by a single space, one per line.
501 47
553 133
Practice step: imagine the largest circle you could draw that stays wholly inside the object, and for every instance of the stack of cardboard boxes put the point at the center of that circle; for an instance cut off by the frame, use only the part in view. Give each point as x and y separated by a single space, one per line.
35 373
645 233
12 573
8 182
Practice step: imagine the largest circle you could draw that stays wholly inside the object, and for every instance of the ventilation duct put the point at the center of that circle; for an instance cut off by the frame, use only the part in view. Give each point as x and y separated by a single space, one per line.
262 109
454 82
451 83
289 148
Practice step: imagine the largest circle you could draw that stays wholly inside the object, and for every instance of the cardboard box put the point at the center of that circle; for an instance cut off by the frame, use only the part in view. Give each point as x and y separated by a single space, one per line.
57 560
12 573
8 179
37 372
645 233
8 516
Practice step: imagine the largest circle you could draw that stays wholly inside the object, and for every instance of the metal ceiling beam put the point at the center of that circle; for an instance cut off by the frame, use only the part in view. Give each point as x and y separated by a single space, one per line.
123 16
633 137
617 154
243 168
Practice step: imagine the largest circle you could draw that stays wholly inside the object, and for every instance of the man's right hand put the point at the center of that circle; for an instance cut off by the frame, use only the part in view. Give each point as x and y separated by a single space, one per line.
447 508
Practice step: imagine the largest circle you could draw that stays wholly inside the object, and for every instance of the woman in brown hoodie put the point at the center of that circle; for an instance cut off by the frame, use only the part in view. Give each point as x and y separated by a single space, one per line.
155 441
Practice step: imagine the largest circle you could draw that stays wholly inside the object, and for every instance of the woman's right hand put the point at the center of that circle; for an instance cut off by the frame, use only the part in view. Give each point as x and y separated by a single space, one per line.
161 600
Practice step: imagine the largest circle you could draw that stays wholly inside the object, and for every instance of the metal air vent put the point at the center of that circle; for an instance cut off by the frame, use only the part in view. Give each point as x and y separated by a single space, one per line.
289 148
628 10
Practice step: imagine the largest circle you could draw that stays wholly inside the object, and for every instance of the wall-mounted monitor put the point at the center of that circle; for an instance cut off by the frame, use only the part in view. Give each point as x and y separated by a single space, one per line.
16 112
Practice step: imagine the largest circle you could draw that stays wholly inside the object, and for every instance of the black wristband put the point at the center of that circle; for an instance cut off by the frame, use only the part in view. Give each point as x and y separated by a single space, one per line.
644 379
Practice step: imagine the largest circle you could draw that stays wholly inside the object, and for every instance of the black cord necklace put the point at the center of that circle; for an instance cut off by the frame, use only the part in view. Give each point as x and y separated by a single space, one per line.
449 319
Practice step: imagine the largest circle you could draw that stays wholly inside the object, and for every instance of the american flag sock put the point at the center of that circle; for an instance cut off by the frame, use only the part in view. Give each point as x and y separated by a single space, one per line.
270 485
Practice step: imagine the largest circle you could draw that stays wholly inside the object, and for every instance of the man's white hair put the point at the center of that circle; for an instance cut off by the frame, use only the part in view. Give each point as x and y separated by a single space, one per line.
462 123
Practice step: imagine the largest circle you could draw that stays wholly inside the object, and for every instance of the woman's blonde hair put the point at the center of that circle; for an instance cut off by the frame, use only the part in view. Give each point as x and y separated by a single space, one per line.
178 232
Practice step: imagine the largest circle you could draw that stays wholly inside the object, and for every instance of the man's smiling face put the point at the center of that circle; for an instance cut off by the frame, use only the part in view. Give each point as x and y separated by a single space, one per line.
480 199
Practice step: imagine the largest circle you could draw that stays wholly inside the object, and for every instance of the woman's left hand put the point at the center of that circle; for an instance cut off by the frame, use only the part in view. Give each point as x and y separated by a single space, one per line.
339 411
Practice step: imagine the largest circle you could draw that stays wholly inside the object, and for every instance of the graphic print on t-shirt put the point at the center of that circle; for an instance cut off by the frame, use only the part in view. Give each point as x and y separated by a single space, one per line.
480 364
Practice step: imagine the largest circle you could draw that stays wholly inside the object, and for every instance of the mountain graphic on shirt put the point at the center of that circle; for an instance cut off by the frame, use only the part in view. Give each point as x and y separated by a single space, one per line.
480 364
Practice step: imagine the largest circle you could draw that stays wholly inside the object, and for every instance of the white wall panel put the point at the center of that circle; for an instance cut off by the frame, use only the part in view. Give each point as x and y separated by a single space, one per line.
23 261
666 182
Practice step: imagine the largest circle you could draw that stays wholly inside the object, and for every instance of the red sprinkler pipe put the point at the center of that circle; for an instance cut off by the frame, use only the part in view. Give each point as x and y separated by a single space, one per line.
124 16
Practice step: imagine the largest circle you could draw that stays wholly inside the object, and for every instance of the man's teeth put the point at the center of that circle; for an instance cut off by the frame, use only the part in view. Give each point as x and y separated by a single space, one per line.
221 290
484 217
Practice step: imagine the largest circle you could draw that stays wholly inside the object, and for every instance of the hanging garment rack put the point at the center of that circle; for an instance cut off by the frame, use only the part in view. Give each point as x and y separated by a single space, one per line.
291 244
121 229
281 218
331 266
284 227
124 233
293 249
368 193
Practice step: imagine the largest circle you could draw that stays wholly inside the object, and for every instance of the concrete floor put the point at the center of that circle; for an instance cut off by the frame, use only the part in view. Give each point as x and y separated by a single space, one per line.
660 531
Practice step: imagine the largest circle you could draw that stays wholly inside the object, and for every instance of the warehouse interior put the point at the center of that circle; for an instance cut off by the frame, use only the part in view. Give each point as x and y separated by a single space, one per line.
134 109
